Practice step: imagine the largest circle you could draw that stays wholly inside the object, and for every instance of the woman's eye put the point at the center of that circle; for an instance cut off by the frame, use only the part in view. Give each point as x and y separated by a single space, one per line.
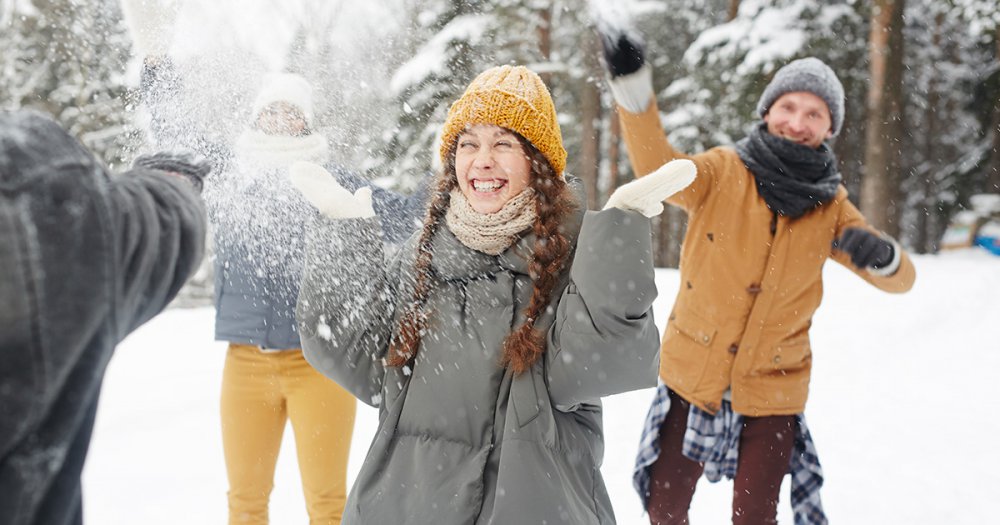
466 144
504 143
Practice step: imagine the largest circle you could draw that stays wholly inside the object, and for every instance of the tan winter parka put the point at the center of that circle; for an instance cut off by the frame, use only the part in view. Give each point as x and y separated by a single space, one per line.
750 281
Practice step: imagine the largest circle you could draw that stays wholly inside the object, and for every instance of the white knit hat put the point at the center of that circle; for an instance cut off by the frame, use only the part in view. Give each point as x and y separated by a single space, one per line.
811 75
286 87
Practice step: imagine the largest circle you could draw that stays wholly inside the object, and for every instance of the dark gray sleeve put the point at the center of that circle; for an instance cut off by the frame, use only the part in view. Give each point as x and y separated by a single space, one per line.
400 214
346 304
604 340
160 237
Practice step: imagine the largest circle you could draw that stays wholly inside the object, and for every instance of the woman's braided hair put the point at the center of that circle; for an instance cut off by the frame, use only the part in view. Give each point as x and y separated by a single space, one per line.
525 345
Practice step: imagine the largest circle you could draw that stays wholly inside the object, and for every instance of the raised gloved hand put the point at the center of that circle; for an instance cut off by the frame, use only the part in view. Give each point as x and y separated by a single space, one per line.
631 80
323 191
867 250
183 162
623 54
151 24
646 195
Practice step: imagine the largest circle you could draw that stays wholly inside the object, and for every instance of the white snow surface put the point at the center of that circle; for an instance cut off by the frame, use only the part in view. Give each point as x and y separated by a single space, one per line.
901 397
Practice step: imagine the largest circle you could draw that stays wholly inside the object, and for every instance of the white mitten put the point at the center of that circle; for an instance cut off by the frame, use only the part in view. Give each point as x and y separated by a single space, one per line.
633 92
646 195
151 24
323 191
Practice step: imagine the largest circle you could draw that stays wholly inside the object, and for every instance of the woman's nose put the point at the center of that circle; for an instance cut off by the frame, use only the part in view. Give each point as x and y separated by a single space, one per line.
484 157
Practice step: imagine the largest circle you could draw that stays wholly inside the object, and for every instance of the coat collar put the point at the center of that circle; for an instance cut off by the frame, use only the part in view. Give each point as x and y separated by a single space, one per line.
453 261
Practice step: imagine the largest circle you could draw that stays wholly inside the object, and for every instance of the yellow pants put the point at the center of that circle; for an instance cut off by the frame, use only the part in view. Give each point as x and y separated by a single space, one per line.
260 391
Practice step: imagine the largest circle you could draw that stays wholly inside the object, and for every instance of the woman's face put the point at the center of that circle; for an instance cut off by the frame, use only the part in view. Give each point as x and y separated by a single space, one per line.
281 118
492 166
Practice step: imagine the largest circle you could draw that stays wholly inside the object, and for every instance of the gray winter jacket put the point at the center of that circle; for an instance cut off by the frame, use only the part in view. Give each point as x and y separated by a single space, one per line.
258 221
462 440
260 246
85 258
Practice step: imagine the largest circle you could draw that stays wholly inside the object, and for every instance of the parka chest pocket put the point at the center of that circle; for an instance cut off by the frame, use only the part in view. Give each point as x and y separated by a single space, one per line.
695 328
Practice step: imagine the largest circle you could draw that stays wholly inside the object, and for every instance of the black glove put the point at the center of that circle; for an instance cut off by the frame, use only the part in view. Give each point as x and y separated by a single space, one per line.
866 249
185 163
623 54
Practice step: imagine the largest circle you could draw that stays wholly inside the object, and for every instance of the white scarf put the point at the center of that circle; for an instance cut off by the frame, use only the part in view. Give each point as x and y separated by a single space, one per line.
490 233
256 150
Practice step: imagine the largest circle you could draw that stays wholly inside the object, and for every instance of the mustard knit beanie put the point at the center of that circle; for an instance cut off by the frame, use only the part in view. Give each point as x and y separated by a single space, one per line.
512 97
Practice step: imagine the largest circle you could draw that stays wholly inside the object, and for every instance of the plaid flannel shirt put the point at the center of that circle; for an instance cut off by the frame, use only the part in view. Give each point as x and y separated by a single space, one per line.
715 441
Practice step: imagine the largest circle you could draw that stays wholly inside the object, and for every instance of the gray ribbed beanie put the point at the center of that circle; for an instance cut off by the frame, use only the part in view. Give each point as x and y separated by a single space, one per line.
807 74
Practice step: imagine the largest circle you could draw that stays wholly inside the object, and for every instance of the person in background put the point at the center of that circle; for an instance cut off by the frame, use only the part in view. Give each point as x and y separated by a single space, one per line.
763 218
489 338
257 221
86 257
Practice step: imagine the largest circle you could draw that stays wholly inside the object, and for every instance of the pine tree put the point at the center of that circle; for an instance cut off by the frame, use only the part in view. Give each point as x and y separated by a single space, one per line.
67 59
448 37
942 131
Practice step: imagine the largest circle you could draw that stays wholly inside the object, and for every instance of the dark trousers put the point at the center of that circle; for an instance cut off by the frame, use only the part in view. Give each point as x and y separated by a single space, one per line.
765 451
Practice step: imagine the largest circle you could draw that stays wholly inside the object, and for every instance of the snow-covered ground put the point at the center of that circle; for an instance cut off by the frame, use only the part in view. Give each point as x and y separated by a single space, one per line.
902 392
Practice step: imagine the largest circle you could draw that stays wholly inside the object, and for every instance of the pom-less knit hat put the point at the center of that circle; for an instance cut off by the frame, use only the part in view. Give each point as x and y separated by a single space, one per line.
286 87
811 75
512 97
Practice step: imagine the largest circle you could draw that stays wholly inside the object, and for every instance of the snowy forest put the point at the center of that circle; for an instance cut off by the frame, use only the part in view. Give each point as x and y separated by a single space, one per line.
922 77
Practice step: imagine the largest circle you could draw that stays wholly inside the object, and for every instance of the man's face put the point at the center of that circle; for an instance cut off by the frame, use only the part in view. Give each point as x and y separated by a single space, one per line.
801 117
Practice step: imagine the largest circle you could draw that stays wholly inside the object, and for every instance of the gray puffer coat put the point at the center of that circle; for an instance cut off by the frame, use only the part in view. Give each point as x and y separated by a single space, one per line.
462 440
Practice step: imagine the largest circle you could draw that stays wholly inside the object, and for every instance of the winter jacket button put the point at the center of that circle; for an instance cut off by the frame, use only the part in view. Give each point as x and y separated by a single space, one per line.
753 289
733 348
706 338
777 359
712 407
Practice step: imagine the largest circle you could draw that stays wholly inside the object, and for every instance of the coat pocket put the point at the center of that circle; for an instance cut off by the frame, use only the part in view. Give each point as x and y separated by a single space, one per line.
695 328
687 349
786 356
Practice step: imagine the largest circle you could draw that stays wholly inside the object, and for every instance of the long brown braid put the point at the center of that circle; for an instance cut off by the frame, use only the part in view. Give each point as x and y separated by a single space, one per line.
404 344
523 347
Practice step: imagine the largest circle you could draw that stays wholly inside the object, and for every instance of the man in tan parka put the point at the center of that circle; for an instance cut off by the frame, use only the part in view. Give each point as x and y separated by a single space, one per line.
763 218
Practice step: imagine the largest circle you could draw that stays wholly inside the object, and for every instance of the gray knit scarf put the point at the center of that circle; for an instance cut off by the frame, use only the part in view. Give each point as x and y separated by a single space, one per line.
792 179
490 233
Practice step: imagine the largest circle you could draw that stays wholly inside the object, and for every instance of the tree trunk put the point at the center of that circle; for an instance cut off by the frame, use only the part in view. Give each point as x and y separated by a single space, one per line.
734 8
614 152
994 166
880 187
590 118
669 234
545 41
932 156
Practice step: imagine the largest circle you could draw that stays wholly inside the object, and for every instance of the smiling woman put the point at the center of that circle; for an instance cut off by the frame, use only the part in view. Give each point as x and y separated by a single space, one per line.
492 166
501 336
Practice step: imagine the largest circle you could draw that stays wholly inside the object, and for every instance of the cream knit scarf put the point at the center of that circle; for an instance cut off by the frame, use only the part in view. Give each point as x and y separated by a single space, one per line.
258 150
490 233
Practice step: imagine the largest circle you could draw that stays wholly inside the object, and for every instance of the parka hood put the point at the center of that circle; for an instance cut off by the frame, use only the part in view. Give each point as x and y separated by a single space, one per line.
50 188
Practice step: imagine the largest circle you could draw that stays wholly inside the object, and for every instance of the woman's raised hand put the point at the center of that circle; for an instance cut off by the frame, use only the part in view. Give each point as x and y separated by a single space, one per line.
323 191
646 194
